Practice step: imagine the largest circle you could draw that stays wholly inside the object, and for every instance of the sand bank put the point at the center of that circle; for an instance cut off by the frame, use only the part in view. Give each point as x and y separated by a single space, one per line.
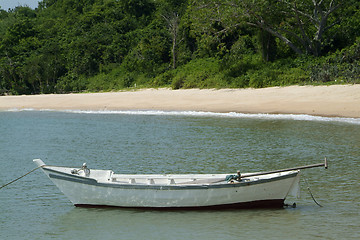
332 101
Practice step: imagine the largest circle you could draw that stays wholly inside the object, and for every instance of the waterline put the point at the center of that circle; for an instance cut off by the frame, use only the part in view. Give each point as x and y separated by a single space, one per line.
265 116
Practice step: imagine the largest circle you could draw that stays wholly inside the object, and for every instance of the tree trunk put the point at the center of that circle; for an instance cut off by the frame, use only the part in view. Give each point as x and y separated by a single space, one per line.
173 27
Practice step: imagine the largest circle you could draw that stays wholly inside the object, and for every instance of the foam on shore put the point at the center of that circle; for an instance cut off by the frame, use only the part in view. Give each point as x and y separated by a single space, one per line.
295 117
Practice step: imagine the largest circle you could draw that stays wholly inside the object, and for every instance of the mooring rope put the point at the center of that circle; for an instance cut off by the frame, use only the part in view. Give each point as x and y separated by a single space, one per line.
312 196
19 177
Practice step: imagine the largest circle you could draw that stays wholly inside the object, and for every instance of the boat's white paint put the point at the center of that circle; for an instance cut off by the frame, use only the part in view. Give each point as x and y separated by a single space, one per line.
103 187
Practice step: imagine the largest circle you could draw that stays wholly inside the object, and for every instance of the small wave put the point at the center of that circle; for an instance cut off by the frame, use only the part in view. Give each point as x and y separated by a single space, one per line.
298 117
20 110
265 116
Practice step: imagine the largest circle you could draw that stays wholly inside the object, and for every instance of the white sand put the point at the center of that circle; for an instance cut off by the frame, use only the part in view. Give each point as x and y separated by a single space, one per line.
336 100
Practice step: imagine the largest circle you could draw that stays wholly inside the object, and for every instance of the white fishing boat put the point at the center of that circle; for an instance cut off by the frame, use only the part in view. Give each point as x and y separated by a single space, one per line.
90 187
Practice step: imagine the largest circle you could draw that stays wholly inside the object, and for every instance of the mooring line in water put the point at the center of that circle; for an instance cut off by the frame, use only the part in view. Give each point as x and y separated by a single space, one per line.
312 196
19 177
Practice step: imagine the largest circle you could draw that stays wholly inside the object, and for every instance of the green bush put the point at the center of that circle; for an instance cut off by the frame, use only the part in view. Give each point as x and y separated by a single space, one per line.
164 79
71 83
199 73
261 78
291 76
339 67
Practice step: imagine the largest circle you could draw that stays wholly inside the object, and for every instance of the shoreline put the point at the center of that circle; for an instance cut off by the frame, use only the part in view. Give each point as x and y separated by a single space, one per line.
326 101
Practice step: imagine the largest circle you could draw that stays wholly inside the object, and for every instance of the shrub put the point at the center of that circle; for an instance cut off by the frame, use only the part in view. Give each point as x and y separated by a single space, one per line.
199 73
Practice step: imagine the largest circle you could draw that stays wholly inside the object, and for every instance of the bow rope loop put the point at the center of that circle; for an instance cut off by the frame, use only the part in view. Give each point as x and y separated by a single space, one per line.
20 177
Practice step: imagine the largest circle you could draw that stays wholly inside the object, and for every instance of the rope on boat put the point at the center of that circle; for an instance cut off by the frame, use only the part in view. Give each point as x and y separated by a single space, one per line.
20 177
312 196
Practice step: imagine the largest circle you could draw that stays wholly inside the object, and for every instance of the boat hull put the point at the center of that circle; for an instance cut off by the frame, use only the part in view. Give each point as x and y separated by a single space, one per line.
266 192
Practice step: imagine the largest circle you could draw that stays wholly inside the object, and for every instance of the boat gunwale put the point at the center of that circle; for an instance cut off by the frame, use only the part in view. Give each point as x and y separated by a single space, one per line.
179 186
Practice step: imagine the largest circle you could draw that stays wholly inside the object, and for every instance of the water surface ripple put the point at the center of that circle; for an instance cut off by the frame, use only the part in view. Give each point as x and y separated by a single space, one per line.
177 143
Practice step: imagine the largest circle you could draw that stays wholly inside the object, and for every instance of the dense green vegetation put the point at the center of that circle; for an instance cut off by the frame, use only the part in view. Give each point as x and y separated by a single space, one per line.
101 45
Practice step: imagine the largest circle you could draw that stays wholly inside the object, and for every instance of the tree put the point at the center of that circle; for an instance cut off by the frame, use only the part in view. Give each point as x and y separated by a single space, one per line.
172 11
302 14
173 22
302 25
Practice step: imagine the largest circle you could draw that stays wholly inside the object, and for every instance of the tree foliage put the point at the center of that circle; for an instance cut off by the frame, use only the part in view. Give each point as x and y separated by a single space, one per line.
302 25
82 45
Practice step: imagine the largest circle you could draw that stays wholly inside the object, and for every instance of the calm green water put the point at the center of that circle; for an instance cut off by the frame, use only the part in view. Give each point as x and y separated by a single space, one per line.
33 208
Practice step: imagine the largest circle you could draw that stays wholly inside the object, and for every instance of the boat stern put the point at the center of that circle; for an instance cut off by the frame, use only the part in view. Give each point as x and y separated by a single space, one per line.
295 187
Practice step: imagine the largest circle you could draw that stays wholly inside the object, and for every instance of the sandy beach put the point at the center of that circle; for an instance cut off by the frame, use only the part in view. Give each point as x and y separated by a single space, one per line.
330 101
